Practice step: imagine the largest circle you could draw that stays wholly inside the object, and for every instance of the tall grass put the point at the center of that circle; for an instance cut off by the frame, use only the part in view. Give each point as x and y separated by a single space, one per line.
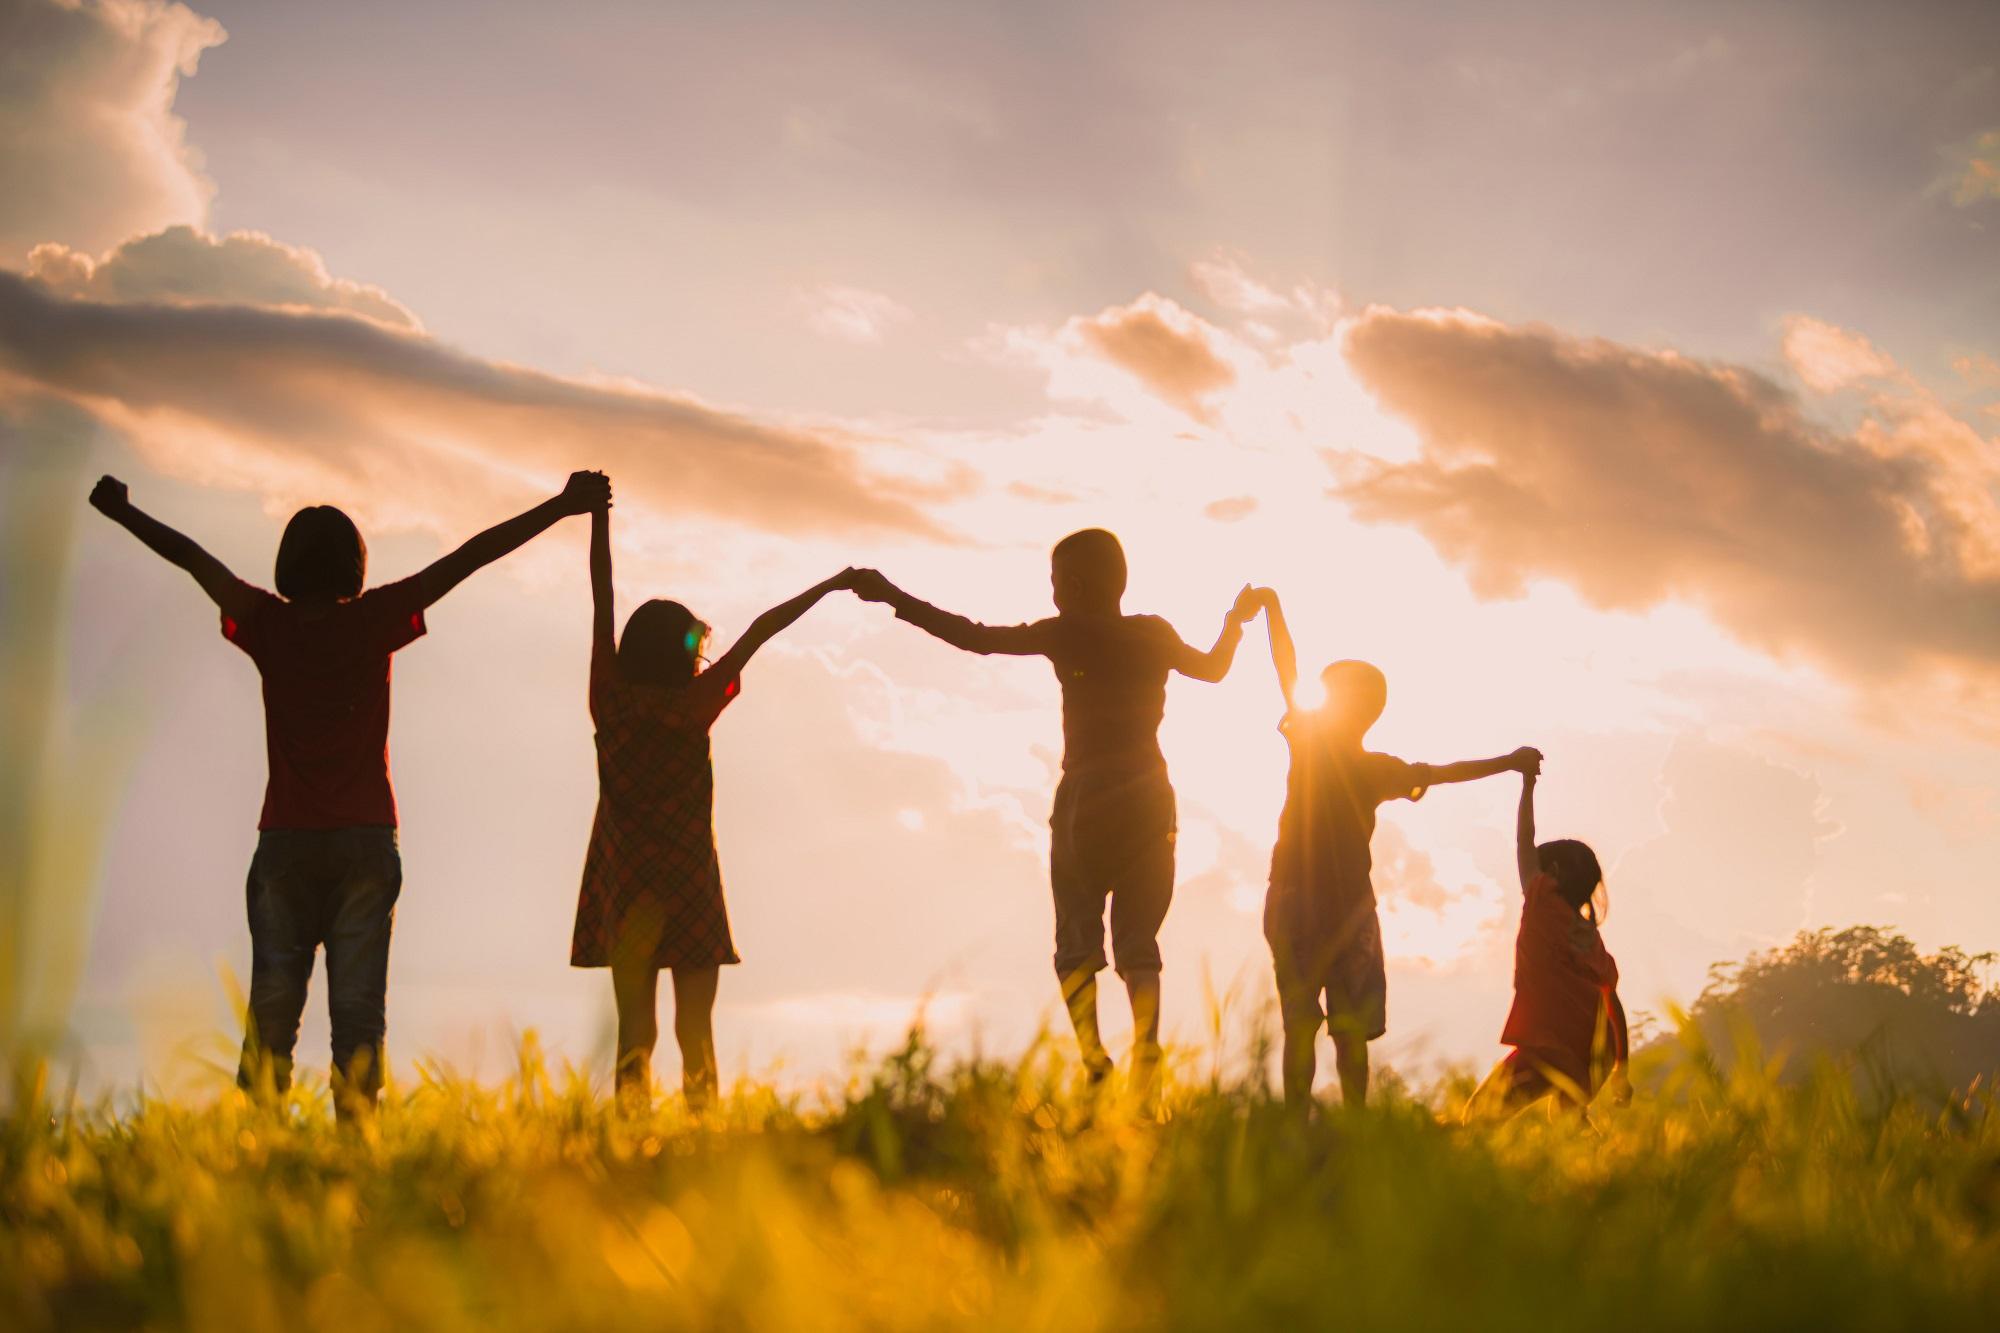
990 1195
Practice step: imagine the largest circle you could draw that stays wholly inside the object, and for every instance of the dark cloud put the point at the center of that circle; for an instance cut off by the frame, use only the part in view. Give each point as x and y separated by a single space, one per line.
1641 477
293 401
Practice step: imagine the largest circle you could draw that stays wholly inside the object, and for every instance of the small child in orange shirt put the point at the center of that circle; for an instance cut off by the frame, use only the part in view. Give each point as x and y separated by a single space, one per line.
1567 1027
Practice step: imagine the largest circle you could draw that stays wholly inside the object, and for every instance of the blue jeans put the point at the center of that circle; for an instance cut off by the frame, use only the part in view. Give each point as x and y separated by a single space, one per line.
308 888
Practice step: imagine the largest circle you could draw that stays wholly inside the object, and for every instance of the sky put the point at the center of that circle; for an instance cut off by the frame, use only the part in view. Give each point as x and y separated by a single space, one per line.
1623 380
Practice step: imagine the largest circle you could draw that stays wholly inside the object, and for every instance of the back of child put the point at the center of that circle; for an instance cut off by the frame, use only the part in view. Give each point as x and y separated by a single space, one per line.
1320 914
1112 828
651 896
1567 1026
327 871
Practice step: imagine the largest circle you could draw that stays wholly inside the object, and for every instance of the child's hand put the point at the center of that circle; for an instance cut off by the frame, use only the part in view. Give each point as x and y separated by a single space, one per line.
1247 606
1527 761
109 497
845 580
1267 598
584 492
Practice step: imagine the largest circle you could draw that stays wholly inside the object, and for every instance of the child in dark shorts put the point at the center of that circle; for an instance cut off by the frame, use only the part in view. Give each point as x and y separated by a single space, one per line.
1319 916
1112 829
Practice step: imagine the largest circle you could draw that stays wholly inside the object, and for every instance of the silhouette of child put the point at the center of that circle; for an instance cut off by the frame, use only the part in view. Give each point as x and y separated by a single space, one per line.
1567 1026
652 888
327 870
1319 915
1112 828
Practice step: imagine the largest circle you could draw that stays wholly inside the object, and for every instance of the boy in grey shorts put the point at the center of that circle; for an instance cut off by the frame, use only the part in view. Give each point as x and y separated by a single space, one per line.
1319 916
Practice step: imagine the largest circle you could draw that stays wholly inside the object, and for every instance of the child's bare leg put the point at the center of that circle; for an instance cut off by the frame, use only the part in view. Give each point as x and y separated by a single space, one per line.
636 989
1301 1062
1080 997
1144 988
694 1029
1350 1057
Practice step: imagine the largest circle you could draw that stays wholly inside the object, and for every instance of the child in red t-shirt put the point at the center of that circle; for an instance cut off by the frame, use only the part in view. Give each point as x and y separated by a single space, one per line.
327 870
1567 1026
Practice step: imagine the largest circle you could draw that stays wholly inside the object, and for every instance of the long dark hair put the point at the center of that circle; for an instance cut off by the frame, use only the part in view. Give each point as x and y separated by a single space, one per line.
661 643
321 557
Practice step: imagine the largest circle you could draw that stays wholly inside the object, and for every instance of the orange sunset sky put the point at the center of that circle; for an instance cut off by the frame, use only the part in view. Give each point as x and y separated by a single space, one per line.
1622 380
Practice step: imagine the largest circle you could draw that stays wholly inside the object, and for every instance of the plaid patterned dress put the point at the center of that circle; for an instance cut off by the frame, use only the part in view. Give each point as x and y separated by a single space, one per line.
652 889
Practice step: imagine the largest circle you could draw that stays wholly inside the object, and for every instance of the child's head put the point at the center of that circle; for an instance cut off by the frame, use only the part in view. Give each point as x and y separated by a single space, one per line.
662 643
1087 571
321 557
1573 866
1356 693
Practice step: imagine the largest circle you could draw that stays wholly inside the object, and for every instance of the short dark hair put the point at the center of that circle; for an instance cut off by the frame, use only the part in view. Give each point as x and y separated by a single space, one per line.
660 643
1361 686
1574 868
321 556
1095 558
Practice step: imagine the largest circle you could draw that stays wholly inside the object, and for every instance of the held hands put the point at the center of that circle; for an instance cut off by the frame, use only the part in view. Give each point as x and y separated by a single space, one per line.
585 492
1527 761
868 585
110 497
1248 603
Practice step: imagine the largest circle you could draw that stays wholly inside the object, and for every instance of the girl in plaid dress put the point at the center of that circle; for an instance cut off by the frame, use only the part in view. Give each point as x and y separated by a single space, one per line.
652 890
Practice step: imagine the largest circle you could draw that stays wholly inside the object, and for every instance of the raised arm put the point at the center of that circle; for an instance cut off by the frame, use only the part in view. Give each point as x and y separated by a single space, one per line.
585 492
111 498
956 630
764 627
1284 655
1214 664
603 633
1525 859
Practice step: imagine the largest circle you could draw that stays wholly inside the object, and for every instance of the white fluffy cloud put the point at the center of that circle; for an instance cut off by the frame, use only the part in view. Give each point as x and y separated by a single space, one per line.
184 265
1641 477
89 146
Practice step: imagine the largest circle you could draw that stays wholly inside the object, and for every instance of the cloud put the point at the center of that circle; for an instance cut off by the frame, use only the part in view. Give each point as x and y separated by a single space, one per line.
298 403
89 144
183 264
1162 345
1640 477
1975 170
1829 358
1231 509
852 314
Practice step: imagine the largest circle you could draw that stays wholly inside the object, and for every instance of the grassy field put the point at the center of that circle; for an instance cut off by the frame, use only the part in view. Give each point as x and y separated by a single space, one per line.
996 1196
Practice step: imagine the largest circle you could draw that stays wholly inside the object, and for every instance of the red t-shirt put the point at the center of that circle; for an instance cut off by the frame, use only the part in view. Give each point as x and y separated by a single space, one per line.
326 701
1564 978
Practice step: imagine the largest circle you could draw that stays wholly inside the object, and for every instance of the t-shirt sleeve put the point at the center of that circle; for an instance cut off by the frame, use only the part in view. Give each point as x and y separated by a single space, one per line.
1173 651
706 696
395 614
247 631
1400 781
